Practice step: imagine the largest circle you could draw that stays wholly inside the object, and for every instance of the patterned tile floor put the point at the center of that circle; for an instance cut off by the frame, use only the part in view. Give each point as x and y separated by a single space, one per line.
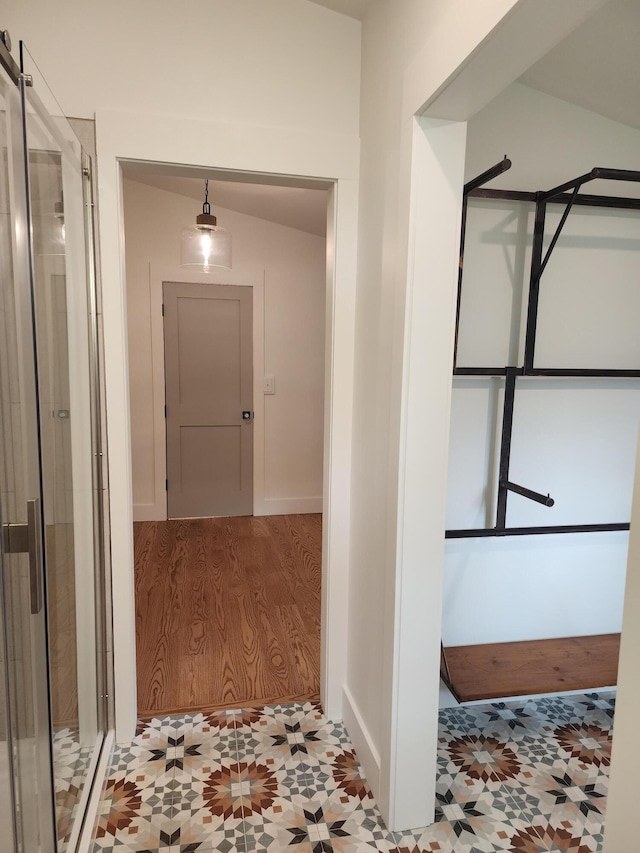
70 765
520 777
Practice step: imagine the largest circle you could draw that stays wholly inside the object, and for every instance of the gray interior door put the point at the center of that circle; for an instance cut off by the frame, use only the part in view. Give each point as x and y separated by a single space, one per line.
209 395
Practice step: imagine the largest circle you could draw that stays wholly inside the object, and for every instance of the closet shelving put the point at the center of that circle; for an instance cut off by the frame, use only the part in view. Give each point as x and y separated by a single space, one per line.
508 669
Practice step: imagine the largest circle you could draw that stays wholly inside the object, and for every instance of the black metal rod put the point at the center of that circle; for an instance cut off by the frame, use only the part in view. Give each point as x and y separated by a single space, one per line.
463 232
480 371
615 174
569 185
581 199
503 166
558 231
598 172
534 286
583 372
503 195
505 445
529 493
485 533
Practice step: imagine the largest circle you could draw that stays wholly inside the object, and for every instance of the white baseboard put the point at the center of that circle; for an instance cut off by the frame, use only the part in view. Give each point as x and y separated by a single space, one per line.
287 506
149 512
269 506
368 755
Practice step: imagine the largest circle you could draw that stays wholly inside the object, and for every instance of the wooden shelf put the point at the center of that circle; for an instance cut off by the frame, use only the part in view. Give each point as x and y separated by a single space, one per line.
497 670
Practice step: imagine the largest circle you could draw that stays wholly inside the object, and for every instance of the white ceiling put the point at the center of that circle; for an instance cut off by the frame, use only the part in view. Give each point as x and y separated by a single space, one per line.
352 8
598 65
304 209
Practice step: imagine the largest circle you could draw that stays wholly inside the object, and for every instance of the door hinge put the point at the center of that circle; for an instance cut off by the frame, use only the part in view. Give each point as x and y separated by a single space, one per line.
163 309
165 411
166 485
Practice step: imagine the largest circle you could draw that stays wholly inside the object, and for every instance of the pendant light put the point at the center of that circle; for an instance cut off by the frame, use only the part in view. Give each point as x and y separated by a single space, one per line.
205 245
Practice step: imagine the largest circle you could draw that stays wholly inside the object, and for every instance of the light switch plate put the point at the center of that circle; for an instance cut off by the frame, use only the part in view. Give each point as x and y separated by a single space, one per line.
269 385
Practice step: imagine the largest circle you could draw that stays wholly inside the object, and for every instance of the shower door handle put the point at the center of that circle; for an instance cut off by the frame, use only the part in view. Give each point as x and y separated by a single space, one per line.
25 539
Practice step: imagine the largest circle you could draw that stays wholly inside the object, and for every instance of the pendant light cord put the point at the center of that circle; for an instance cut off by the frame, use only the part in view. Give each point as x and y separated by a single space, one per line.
206 207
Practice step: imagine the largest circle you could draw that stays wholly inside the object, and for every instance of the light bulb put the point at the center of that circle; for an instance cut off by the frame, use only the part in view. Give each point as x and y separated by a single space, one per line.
206 245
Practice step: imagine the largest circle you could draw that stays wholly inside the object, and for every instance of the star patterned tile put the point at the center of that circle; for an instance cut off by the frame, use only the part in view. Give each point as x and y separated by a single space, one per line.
70 762
513 777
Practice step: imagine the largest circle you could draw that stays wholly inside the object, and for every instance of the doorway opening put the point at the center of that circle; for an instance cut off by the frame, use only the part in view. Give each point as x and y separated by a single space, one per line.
227 385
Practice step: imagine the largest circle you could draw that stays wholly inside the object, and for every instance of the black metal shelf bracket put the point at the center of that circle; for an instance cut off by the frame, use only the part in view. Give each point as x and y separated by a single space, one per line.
545 500
539 261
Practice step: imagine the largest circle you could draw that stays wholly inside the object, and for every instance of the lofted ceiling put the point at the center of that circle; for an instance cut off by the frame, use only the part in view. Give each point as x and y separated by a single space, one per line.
598 65
295 207
352 8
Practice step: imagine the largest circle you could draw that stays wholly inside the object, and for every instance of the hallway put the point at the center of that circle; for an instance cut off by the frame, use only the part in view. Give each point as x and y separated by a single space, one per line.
227 612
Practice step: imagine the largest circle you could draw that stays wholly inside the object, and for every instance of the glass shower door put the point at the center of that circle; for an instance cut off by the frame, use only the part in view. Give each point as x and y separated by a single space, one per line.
58 178
52 588
26 795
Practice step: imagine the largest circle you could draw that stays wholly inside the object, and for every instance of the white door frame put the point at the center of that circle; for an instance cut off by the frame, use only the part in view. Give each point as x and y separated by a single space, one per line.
328 158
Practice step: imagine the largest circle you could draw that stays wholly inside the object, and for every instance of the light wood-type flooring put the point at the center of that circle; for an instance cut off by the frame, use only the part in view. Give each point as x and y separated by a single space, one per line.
496 670
227 612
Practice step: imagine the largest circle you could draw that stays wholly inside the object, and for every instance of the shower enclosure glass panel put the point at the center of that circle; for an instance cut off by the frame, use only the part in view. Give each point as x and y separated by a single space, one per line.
57 179
26 794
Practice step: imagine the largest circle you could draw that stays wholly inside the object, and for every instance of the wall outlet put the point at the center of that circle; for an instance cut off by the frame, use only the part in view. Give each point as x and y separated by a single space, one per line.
269 385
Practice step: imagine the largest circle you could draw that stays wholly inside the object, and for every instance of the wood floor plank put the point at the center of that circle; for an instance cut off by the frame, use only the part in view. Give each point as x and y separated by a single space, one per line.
300 568
227 612
307 664
497 670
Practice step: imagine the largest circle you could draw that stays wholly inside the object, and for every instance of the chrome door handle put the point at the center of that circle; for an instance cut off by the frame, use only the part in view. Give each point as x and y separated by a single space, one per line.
25 539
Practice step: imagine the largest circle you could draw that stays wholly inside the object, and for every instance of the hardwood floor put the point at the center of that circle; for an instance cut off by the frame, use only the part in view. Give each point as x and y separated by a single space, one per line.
495 670
227 612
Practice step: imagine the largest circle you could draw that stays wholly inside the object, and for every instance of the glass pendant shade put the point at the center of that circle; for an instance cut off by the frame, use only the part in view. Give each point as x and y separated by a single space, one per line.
205 245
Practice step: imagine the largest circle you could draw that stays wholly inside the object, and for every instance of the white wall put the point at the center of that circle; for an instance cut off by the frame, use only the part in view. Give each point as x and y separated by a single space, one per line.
294 264
281 63
572 438
395 83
